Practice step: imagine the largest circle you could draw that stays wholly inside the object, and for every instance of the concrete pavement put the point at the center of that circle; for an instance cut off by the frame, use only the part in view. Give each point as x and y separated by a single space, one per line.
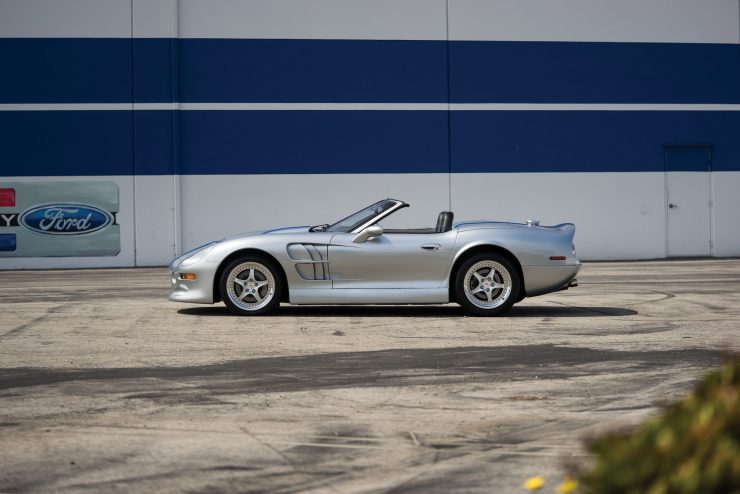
107 386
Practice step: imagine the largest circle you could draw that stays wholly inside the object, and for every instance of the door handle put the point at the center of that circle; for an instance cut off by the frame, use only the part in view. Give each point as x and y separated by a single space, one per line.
671 205
431 246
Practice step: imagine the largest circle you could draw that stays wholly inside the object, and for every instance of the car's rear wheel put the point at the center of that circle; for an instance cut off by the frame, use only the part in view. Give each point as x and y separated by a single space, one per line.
487 285
251 286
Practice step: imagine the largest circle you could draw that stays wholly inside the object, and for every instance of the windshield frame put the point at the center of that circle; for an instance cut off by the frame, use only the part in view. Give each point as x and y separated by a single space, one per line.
365 221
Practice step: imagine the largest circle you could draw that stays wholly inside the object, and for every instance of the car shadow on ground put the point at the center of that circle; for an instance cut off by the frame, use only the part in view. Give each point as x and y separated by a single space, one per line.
416 311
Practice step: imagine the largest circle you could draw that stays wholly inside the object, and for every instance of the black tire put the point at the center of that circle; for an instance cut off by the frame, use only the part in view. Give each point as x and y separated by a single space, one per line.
492 280
259 278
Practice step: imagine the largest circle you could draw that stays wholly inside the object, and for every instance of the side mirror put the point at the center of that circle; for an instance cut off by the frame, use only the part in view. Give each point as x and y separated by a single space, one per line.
371 231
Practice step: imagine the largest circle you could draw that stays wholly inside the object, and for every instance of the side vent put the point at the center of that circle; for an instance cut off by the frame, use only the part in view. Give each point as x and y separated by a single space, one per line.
311 260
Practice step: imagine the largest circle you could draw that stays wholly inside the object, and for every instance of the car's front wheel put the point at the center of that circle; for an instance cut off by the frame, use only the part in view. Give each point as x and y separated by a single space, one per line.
487 285
251 286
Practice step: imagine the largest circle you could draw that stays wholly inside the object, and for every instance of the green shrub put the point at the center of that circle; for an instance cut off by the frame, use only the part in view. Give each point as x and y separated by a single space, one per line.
692 447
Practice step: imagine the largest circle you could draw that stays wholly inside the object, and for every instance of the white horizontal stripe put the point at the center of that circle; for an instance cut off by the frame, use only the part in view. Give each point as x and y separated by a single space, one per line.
314 19
313 106
662 21
64 106
220 106
86 106
644 21
372 106
65 19
226 19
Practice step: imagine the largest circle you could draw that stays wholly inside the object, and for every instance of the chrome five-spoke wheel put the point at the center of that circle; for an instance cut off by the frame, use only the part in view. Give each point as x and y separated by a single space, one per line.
487 284
250 286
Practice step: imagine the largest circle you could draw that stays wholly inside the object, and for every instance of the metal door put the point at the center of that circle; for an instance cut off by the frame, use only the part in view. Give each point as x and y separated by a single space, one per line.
688 201
393 260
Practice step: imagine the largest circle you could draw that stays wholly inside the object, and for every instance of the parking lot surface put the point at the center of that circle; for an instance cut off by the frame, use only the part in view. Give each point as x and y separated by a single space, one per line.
107 386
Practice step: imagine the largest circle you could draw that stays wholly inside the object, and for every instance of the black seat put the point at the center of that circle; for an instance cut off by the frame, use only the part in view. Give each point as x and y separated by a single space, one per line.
444 222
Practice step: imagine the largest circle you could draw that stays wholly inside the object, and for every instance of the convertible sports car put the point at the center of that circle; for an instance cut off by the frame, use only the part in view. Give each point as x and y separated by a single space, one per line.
484 266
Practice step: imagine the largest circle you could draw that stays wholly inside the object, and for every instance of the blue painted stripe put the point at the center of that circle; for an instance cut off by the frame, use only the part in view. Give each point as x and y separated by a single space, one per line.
65 70
7 242
98 70
587 141
71 143
89 70
340 71
555 72
262 142
688 159
66 143
155 148
154 68
262 70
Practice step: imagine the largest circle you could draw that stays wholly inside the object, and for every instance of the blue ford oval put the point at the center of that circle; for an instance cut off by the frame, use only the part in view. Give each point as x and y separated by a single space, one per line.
66 219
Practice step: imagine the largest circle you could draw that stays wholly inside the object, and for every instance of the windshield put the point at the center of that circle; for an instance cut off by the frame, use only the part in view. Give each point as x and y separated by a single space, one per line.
363 216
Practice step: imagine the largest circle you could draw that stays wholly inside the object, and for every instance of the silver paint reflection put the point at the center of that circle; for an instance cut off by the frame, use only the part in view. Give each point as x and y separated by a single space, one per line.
387 267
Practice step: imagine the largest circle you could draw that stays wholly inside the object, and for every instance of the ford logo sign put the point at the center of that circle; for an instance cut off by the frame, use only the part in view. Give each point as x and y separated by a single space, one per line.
65 219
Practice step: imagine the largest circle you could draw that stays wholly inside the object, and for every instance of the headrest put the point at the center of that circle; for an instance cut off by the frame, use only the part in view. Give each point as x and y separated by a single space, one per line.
444 221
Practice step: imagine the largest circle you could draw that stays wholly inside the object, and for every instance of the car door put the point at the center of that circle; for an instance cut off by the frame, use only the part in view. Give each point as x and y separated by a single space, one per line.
392 260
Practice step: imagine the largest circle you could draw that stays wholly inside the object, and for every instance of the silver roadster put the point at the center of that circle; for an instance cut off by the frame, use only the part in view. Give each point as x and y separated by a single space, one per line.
484 266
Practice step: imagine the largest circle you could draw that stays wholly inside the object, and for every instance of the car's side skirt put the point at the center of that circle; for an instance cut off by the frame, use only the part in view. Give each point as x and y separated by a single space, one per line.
320 296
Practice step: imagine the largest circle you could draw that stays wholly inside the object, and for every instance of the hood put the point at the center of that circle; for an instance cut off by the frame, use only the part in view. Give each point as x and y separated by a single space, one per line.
288 229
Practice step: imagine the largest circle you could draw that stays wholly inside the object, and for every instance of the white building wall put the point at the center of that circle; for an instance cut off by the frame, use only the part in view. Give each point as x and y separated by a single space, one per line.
65 18
216 206
157 200
315 19
618 215
223 205
649 21
74 19
726 214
